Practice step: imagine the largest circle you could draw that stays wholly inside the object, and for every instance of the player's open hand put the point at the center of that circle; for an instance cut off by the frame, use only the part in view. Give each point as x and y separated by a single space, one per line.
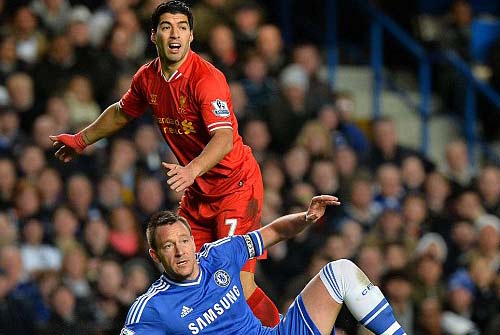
181 177
67 146
318 205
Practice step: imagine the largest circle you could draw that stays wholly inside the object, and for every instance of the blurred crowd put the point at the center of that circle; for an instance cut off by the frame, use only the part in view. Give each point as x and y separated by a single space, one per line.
73 256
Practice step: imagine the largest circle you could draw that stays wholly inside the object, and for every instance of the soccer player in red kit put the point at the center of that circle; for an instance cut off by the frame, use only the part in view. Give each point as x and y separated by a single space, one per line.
191 103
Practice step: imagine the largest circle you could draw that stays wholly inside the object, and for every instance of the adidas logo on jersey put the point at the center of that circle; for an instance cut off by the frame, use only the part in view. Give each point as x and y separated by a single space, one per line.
185 311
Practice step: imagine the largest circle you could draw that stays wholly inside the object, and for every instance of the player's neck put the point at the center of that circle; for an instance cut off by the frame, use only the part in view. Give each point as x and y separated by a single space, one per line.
169 68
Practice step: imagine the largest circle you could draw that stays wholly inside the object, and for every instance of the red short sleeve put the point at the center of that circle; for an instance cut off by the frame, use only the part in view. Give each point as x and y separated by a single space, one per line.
134 101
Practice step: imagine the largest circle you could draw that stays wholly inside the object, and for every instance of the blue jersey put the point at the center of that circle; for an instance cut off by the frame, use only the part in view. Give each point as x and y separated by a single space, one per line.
213 303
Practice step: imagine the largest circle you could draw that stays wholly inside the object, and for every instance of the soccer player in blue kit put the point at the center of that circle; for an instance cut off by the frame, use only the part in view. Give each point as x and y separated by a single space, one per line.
201 293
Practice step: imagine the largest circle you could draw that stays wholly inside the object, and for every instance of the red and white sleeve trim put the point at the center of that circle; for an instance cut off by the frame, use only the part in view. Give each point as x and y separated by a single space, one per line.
219 125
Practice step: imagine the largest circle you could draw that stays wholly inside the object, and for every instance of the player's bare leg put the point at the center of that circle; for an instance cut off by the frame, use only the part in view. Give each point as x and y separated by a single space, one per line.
322 309
343 282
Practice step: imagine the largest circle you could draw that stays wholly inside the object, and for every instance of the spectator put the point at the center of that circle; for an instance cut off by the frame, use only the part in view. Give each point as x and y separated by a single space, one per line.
26 201
223 52
66 226
65 319
150 198
271 46
348 169
428 280
315 138
396 257
150 150
463 240
15 316
386 149
80 197
125 234
50 185
389 229
437 194
259 86
12 137
9 61
488 185
8 231
360 206
345 106
297 164
30 41
31 162
257 136
59 64
289 111
74 273
397 287
38 256
457 168
413 175
22 98
8 181
110 310
248 18
371 262
54 15
414 210
208 14
390 189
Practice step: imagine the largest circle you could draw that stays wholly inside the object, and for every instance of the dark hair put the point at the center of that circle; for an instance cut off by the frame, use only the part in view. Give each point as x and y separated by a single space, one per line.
172 7
161 219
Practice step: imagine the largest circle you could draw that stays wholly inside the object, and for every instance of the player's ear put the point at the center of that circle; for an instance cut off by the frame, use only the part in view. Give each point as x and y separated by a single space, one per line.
191 37
153 36
154 256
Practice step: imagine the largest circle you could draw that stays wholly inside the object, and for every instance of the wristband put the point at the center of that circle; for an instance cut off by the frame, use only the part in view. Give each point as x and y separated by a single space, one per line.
80 143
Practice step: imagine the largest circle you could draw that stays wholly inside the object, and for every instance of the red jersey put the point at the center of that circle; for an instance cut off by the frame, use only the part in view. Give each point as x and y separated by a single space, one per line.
189 105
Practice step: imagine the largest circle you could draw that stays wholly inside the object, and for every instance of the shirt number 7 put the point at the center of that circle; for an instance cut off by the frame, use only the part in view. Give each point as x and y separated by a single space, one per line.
232 223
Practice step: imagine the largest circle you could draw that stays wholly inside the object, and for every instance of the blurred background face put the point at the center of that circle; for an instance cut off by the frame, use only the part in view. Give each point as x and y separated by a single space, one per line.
110 279
307 56
33 232
222 41
8 175
489 183
256 135
65 223
269 41
456 156
361 193
296 162
63 302
385 137
389 180
413 172
32 161
79 191
146 140
150 195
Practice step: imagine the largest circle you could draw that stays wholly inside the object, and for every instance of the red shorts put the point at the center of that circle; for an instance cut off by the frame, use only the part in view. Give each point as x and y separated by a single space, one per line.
212 218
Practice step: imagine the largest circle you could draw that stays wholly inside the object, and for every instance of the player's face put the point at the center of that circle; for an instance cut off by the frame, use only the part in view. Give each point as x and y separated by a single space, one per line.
172 37
176 251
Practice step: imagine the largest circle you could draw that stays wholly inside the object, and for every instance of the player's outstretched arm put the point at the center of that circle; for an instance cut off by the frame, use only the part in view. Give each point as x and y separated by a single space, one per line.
290 225
110 121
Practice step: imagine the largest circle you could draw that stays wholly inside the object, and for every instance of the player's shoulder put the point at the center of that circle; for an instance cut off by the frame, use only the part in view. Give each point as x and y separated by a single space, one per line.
149 305
149 68
214 248
203 69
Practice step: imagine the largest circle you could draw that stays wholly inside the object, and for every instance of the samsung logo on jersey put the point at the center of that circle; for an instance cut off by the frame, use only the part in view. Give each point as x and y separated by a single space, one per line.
213 313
